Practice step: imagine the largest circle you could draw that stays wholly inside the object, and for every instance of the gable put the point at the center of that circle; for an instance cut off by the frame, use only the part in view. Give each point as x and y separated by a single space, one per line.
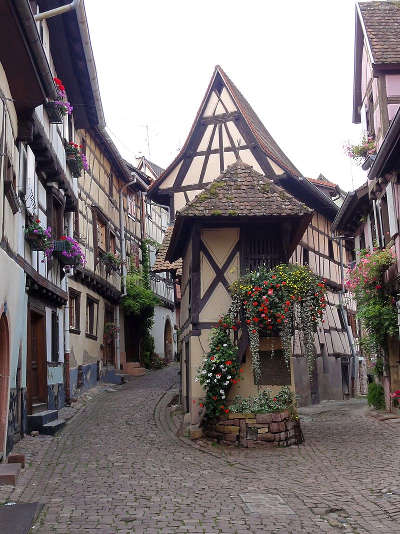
225 128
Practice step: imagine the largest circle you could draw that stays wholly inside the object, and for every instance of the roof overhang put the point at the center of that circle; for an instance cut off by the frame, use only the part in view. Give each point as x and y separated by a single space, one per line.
355 203
389 153
184 224
23 58
358 51
74 61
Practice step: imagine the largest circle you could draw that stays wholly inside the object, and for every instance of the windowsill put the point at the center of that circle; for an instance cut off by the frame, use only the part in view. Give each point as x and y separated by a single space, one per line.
74 331
91 336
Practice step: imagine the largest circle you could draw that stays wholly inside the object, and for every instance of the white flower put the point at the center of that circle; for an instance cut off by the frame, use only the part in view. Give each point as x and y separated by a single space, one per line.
223 396
222 391
229 377
196 379
224 345
209 374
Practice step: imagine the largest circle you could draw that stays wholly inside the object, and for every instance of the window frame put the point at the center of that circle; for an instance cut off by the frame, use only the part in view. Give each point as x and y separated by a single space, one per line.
91 301
74 295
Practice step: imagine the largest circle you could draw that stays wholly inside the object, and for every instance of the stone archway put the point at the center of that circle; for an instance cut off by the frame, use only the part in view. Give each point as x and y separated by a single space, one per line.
168 341
4 380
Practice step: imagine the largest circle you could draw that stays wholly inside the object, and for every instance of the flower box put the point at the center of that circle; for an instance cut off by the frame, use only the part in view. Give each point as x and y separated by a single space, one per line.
55 112
68 251
36 241
74 165
111 262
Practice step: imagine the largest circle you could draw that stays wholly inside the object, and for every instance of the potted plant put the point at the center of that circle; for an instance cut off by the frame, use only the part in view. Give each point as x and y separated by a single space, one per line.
359 153
111 261
38 237
76 160
56 109
68 251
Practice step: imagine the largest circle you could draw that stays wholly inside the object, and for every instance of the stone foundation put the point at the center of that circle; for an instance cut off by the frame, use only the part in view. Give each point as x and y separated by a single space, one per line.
257 430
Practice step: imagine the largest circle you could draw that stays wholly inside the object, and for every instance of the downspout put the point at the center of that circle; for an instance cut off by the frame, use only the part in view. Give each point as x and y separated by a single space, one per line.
57 11
345 320
67 337
3 156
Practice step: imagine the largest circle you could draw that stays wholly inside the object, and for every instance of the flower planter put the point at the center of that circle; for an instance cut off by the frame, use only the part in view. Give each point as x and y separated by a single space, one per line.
63 246
74 165
36 241
277 429
54 112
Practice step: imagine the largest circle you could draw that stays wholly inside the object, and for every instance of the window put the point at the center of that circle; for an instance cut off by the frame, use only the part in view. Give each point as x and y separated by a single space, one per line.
132 204
70 128
110 185
112 243
330 250
57 218
55 337
385 220
101 235
92 307
261 246
370 116
74 311
76 224
23 169
306 257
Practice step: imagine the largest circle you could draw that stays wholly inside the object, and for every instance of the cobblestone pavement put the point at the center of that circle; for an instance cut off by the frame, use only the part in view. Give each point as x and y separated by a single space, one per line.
118 468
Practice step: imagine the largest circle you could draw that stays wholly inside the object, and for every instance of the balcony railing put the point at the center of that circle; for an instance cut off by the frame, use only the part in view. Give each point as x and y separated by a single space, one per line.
163 288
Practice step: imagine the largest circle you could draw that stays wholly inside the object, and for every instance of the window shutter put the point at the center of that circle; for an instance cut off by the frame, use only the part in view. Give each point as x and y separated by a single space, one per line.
55 337
393 223
31 200
378 225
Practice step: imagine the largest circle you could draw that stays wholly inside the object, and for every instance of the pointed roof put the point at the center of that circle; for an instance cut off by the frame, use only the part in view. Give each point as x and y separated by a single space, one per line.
262 135
156 169
381 21
161 264
239 194
240 191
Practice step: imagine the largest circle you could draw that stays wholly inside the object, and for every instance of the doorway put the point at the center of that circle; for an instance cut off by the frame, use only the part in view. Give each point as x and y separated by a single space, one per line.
168 341
109 336
4 380
36 376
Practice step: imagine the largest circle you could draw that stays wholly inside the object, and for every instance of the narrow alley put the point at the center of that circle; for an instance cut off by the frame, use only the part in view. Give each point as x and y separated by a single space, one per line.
119 468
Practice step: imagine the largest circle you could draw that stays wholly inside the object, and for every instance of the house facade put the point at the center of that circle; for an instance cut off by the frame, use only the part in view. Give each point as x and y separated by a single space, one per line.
225 129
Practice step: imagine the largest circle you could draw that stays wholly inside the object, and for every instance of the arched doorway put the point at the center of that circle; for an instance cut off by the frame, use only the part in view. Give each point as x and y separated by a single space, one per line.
4 380
168 341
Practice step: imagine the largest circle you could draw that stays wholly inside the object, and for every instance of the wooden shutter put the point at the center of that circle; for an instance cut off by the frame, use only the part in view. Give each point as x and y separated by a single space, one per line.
31 200
55 339
393 223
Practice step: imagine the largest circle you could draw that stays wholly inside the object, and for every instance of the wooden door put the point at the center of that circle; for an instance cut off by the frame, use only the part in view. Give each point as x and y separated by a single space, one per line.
109 340
36 364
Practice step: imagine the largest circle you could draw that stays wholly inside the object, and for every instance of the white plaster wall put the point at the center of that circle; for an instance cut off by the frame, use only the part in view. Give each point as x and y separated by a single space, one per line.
13 301
160 317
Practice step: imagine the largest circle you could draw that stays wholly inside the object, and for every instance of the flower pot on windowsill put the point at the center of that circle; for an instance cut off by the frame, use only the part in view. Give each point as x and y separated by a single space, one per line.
54 112
74 165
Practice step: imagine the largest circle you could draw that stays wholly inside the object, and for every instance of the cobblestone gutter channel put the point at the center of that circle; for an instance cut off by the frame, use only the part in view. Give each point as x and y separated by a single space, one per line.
119 467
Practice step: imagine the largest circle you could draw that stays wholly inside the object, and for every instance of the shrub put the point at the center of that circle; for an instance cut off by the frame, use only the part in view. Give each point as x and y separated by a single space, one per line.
376 396
264 402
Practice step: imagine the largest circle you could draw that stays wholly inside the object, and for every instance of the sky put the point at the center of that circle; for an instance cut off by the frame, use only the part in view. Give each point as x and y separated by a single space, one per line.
292 60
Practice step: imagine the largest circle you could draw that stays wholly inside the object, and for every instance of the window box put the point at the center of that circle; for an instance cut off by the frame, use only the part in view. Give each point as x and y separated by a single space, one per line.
38 237
76 160
111 262
55 112
68 252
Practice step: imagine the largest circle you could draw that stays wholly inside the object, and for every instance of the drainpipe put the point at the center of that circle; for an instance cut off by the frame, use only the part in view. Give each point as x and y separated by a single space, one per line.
57 11
122 233
3 155
344 316
67 337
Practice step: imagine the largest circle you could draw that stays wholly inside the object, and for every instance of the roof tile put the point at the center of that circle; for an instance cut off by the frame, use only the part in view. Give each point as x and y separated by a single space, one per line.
382 24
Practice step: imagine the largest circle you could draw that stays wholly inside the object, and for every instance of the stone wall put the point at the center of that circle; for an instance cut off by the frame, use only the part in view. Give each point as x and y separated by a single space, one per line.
257 430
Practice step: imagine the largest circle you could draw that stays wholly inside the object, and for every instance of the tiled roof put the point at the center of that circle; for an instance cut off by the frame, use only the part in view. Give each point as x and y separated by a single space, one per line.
240 191
161 265
156 168
325 182
382 24
268 144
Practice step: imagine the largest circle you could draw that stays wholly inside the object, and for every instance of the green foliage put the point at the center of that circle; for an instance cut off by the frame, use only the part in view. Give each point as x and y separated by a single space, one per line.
264 402
376 396
219 369
375 304
144 245
153 361
139 300
378 368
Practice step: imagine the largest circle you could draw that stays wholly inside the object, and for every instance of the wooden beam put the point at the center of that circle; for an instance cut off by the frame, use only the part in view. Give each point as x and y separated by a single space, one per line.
217 119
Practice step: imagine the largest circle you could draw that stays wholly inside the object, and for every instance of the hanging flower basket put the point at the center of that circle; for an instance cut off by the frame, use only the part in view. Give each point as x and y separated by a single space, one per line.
111 262
68 251
76 160
359 153
38 237
55 112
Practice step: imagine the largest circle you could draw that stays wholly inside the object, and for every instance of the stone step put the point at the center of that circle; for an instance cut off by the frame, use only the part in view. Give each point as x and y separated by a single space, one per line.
9 473
52 427
16 459
39 407
131 365
136 371
37 420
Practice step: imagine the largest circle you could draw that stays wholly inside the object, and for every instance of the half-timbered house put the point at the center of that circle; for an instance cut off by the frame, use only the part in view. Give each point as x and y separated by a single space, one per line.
226 128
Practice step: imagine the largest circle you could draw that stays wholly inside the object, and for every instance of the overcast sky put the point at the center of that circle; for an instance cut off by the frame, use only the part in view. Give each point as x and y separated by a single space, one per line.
292 60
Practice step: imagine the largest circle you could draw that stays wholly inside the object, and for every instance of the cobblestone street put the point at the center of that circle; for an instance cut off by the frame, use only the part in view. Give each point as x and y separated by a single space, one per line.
117 467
